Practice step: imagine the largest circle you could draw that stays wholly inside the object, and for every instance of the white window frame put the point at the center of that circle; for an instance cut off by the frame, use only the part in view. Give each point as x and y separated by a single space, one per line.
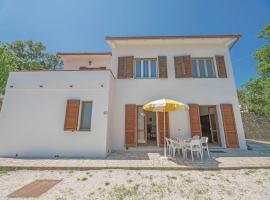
79 128
149 68
205 67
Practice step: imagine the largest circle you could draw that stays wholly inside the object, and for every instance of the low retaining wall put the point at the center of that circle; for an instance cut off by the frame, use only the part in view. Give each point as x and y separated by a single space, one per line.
255 127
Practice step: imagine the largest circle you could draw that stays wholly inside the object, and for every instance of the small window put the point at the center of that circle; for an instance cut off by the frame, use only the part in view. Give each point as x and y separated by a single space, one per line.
203 68
86 115
145 68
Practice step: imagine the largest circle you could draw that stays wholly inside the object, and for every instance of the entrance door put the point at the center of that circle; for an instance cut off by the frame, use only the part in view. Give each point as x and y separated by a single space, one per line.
146 127
209 123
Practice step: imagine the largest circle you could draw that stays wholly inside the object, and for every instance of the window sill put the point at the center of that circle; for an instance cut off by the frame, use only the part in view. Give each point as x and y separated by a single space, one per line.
84 130
205 77
145 78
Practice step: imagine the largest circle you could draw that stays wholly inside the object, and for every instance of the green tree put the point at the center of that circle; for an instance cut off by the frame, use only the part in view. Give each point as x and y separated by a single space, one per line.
33 56
255 94
24 56
8 62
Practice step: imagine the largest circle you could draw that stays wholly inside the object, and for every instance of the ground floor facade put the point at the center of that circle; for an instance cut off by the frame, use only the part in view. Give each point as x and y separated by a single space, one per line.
213 112
44 114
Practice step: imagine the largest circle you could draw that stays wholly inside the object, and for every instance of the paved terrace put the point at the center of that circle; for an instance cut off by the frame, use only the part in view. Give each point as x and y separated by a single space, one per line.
220 159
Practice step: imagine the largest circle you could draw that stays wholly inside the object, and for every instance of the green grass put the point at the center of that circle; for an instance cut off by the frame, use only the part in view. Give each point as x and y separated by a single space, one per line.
249 172
171 177
82 179
129 180
4 171
125 192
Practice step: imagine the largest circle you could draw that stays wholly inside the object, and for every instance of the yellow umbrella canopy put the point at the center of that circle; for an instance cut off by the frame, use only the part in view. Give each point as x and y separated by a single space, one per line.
164 105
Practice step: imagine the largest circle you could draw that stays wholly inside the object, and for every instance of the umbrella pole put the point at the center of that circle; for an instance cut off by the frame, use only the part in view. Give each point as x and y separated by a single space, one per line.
165 154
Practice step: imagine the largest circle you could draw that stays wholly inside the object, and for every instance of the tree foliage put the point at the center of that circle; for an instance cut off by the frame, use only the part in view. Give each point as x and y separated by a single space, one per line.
7 63
33 56
255 94
24 56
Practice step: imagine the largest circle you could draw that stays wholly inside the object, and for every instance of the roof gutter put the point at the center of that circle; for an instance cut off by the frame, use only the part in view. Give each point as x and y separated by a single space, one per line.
234 42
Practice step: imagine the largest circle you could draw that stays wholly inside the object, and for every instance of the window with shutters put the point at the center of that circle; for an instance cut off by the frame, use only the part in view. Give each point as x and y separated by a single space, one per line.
203 68
145 68
86 115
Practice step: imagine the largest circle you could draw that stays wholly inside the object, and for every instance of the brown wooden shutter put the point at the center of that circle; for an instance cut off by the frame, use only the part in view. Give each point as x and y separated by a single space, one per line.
130 125
161 127
183 67
195 120
221 67
129 66
72 114
162 65
121 67
229 126
125 67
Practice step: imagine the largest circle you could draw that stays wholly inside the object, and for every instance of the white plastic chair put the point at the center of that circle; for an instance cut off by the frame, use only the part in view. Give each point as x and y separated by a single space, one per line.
175 146
196 137
168 145
204 141
194 146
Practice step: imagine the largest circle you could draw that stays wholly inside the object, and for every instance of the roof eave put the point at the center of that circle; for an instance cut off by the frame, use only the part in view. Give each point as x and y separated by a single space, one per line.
83 53
172 37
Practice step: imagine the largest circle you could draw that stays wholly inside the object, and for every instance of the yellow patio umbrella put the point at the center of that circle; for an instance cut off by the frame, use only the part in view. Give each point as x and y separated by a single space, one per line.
164 105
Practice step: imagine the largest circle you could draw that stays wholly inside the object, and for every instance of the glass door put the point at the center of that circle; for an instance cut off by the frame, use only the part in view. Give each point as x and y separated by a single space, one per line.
141 126
213 125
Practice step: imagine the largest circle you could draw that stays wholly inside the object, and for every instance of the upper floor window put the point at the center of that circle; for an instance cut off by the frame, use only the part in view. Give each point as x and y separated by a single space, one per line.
203 68
145 68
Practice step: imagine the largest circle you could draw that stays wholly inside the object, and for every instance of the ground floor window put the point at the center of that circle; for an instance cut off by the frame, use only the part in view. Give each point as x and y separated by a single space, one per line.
86 115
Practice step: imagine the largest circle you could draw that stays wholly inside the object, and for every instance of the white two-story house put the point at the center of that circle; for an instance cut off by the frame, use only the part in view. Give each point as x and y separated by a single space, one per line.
94 105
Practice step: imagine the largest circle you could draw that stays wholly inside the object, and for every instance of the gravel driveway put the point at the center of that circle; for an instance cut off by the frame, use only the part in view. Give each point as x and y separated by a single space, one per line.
147 184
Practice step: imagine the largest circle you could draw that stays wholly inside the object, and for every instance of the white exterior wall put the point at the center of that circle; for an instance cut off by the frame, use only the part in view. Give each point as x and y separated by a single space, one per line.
76 65
32 118
77 61
202 91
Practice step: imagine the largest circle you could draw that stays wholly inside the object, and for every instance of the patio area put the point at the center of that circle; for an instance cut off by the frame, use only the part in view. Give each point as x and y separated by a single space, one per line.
258 157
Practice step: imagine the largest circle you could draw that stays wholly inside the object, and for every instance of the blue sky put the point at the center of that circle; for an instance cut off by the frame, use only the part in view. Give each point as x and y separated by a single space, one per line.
81 25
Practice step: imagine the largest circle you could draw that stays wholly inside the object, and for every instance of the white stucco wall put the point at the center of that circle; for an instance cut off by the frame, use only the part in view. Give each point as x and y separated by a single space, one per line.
32 118
214 91
76 65
74 62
